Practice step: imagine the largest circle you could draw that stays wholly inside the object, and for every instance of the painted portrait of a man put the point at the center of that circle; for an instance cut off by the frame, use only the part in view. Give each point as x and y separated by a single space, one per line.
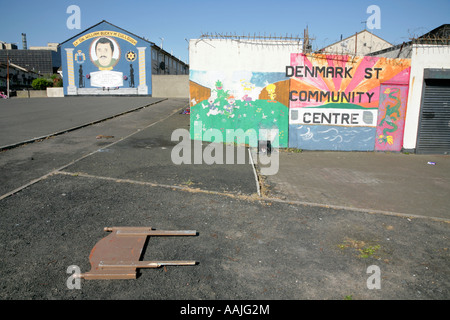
105 53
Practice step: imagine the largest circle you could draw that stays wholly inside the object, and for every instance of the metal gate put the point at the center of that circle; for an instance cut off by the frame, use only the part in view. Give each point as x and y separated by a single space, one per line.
434 123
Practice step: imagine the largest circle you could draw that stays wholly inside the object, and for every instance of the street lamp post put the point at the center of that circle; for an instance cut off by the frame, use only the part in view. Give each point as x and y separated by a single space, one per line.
7 75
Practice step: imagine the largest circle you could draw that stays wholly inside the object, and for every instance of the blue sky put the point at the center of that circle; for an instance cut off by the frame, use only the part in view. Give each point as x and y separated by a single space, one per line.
176 20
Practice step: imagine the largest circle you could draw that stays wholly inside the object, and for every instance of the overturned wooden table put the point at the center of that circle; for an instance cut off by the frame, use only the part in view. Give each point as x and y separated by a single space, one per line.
117 256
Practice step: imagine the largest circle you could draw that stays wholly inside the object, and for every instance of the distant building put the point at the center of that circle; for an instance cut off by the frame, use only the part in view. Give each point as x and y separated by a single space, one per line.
7 46
43 60
107 60
50 46
437 36
19 77
360 44
25 65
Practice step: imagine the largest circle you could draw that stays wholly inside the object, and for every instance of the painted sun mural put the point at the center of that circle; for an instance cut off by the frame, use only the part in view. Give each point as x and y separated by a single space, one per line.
340 102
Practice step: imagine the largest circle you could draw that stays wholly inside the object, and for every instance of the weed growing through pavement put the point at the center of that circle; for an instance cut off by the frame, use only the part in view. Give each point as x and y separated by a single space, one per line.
364 250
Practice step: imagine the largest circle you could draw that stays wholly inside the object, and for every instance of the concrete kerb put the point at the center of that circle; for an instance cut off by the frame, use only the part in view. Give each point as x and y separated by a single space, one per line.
259 178
254 168
369 211
252 198
14 145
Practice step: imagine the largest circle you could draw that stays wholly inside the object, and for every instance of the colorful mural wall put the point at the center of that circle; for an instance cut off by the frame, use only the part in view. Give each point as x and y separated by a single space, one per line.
347 103
105 59
311 102
240 85
242 104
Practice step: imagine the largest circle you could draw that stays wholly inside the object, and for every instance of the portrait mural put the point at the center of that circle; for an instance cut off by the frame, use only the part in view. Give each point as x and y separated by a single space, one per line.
104 53
106 60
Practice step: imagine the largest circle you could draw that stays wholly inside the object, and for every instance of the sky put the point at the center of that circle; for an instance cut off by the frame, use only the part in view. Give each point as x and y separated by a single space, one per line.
171 23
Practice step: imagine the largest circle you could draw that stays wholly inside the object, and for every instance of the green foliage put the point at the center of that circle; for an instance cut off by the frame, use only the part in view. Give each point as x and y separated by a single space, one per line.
368 251
365 250
41 84
57 82
294 150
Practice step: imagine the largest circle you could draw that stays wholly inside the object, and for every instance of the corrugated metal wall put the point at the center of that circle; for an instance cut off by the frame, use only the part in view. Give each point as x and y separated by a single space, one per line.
434 124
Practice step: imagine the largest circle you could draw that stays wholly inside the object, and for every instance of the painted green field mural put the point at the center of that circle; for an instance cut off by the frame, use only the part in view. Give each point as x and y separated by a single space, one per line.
260 119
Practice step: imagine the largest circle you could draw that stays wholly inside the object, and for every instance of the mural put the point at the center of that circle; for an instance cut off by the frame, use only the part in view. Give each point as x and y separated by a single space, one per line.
391 115
242 100
318 102
106 59
240 84
340 102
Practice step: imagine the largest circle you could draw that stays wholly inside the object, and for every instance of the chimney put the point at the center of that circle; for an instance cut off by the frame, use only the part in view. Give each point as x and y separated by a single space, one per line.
24 41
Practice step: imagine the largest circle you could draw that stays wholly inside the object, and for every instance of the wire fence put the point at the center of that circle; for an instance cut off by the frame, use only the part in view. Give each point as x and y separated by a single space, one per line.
342 51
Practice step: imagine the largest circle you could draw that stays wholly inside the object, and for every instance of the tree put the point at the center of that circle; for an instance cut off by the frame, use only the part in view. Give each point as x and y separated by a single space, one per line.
41 84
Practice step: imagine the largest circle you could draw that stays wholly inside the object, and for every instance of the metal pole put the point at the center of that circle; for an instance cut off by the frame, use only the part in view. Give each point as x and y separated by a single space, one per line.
7 75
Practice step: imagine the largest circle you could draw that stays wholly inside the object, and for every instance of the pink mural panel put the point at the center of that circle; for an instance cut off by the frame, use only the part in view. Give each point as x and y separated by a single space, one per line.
391 117
343 102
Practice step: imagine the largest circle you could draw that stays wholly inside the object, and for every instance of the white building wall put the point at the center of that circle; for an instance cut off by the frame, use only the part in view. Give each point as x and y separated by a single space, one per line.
423 56
234 61
261 56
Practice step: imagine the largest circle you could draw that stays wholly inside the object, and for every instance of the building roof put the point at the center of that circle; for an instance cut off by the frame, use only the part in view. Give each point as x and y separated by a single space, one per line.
439 34
104 21
357 33
17 67
134 35
441 31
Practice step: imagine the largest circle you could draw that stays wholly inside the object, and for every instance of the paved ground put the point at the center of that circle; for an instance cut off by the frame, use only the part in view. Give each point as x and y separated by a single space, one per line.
57 195
374 182
24 120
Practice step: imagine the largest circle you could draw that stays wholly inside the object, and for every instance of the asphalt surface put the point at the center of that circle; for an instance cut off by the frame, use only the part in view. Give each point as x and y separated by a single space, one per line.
26 120
390 183
58 194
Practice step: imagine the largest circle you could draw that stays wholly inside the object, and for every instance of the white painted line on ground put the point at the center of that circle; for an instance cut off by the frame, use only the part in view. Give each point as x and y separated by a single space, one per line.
258 188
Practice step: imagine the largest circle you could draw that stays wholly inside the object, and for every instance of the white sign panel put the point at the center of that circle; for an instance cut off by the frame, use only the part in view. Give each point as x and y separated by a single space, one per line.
106 79
334 116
